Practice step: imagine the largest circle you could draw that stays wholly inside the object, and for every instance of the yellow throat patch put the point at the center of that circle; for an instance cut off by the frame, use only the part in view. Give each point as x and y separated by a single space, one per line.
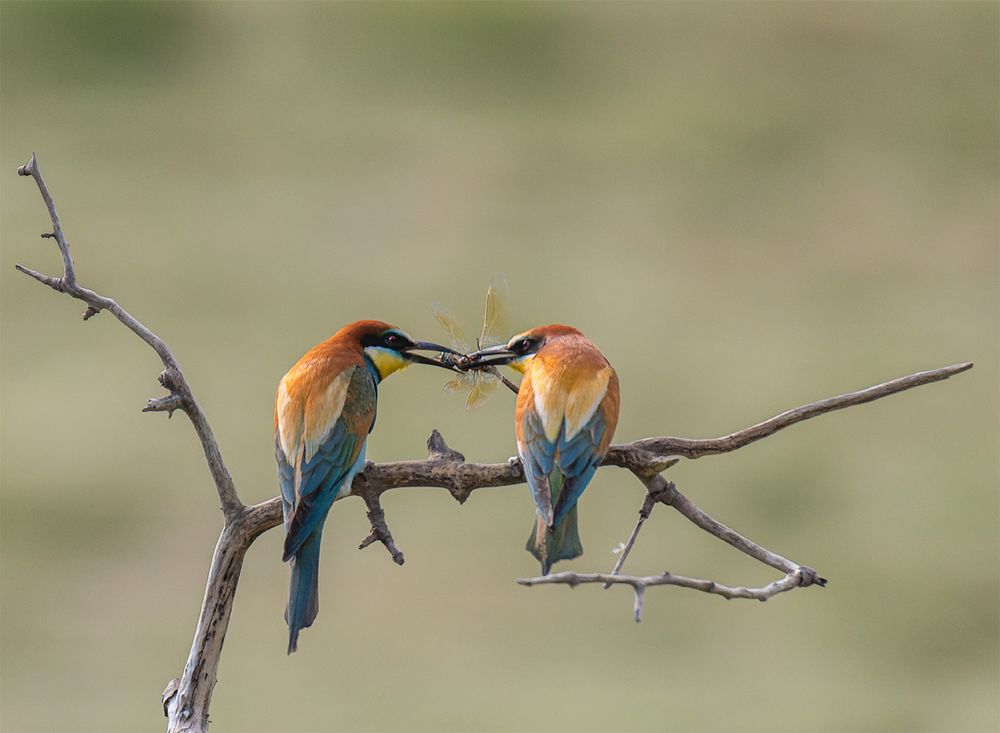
385 360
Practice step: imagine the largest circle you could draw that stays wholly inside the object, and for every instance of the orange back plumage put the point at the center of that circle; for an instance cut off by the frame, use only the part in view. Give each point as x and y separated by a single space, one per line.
567 412
311 395
567 380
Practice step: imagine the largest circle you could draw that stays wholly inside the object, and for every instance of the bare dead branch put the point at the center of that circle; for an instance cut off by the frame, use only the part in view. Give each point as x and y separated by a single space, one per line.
166 404
794 579
186 699
172 378
380 530
31 169
668 494
188 703
644 511
503 379
694 448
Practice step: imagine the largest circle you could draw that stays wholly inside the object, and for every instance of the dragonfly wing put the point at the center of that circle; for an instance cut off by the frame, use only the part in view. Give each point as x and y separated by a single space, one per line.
496 320
486 385
455 333
461 383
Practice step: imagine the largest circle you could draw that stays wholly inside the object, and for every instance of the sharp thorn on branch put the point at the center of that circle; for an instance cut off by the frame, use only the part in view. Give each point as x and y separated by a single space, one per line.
438 449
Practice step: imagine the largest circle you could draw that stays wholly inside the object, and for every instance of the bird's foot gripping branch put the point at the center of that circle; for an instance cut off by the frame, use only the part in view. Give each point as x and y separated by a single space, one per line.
186 699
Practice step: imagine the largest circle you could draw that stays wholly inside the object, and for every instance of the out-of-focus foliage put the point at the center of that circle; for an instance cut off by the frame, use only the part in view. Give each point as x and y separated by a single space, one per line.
747 206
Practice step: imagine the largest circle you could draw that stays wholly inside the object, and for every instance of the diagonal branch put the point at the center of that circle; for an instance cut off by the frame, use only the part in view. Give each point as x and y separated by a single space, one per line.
181 397
694 448
69 272
644 511
189 697
667 493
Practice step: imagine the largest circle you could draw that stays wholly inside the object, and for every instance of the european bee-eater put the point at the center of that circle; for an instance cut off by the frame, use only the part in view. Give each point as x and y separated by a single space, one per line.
567 410
323 413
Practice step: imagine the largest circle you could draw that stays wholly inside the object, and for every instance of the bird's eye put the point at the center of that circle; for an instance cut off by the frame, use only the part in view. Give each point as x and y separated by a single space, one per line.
522 346
393 339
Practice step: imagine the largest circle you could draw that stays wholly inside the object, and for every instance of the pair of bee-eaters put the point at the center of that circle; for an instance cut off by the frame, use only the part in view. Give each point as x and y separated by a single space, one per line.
567 410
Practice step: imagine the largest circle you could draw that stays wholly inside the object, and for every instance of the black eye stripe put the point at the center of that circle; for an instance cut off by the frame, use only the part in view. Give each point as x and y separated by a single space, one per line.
523 346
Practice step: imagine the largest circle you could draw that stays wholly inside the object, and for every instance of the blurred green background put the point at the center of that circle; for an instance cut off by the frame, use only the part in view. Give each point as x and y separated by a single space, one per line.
746 206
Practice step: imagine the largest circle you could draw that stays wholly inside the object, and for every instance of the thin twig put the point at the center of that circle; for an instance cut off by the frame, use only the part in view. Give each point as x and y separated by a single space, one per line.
31 169
172 378
506 382
647 507
794 579
380 530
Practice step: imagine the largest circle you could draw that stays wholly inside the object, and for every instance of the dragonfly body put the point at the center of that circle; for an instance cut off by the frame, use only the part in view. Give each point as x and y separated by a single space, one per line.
479 384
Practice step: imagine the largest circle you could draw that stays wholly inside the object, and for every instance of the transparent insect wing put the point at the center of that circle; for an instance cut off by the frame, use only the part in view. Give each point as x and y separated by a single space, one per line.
455 333
496 320
464 381
479 383
486 384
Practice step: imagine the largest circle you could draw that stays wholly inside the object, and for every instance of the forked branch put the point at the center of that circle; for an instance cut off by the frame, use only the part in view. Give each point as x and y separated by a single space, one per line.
794 579
186 699
181 397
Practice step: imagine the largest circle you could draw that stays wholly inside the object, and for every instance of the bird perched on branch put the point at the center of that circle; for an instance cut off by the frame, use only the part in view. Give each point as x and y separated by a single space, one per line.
323 412
567 410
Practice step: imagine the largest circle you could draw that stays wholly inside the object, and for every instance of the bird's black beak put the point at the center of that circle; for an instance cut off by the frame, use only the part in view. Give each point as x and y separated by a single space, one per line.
493 356
444 362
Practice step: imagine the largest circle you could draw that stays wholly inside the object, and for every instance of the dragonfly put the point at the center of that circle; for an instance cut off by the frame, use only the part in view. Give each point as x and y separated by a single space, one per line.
478 383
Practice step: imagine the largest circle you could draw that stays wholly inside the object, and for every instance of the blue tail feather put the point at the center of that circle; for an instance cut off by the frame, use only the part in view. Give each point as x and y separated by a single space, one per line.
303 595
550 545
561 541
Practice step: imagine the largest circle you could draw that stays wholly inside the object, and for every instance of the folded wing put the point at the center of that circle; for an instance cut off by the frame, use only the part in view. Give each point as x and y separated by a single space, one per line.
319 440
